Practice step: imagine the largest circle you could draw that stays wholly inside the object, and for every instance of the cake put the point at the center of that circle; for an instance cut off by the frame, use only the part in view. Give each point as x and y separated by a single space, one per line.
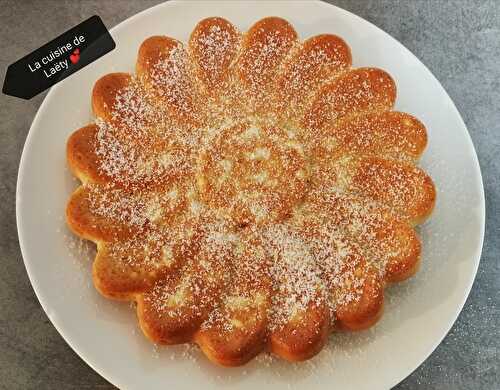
249 192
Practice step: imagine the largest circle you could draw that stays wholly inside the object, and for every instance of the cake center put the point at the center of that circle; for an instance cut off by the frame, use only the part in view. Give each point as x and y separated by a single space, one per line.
254 174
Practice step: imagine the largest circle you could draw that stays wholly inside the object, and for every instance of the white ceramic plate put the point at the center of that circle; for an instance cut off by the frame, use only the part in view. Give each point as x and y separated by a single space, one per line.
105 334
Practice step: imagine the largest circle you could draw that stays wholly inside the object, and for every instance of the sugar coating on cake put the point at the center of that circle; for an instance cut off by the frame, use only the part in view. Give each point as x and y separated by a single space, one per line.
249 191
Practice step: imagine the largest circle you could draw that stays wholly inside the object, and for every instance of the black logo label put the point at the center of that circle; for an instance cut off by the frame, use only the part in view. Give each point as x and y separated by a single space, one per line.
58 59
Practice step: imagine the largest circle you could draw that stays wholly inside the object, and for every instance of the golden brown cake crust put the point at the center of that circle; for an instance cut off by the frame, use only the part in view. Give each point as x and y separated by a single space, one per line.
249 191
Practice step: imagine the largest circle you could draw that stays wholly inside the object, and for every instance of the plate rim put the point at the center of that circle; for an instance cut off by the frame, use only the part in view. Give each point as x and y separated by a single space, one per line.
115 380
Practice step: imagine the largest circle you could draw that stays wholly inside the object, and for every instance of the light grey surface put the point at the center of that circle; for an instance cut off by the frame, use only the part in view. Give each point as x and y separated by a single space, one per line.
458 40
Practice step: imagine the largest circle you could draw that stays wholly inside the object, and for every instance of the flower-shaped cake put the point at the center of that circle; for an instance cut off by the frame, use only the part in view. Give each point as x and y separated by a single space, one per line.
249 191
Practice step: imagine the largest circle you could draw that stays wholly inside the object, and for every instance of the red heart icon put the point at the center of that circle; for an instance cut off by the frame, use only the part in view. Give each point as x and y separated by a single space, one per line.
75 57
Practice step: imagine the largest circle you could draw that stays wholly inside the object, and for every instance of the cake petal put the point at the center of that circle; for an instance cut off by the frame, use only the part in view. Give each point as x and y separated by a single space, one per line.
354 293
389 134
403 187
360 90
136 141
303 335
239 332
236 330
387 242
122 102
319 60
299 318
163 66
265 46
124 269
367 309
104 94
99 214
82 157
213 47
143 159
175 308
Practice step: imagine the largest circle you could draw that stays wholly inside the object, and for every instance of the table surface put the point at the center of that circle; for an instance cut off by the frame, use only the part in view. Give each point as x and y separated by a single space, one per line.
460 43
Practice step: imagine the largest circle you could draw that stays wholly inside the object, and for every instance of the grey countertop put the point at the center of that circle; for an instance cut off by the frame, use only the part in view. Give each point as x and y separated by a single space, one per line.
458 40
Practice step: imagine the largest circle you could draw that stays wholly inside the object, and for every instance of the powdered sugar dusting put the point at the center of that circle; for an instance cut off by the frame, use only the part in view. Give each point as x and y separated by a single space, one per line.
217 215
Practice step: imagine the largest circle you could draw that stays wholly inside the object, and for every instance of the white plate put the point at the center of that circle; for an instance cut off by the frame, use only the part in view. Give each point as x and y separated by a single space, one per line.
105 334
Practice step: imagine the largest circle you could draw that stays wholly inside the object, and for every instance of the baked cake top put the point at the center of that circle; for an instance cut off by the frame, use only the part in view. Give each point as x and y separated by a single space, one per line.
249 191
